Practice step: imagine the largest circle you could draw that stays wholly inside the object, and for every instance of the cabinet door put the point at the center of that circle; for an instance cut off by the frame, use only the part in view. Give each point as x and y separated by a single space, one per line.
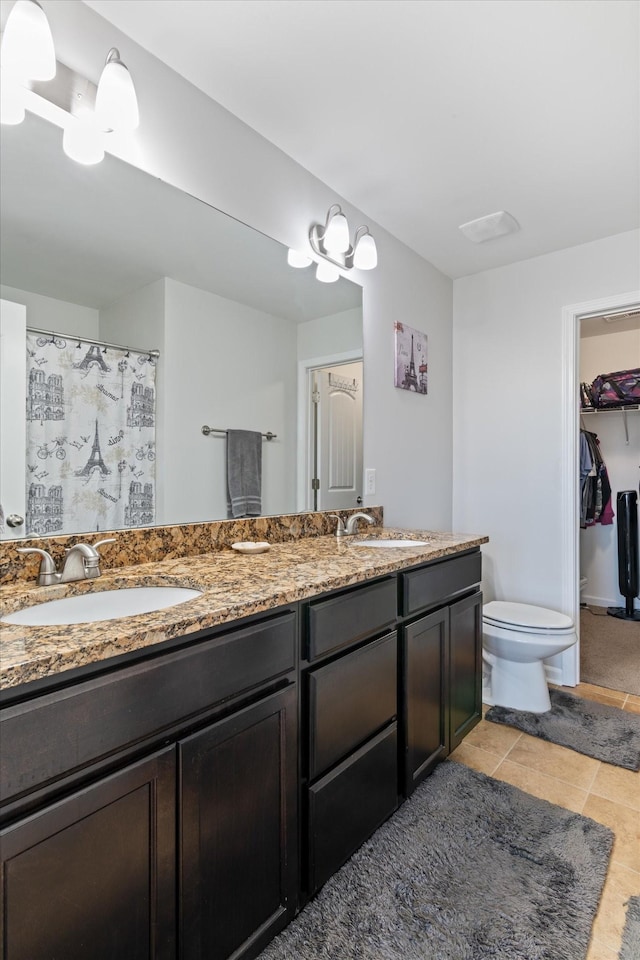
94 874
238 830
426 667
465 673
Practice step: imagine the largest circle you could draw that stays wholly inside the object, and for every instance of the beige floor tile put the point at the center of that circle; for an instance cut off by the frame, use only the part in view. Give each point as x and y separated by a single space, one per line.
542 786
634 699
592 692
606 698
624 822
632 707
600 951
555 761
475 758
621 884
617 784
493 737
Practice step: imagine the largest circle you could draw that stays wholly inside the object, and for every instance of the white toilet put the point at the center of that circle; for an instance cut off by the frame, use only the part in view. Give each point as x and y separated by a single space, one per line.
516 639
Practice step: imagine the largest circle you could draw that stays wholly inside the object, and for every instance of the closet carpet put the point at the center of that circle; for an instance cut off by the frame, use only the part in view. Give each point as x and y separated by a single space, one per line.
609 651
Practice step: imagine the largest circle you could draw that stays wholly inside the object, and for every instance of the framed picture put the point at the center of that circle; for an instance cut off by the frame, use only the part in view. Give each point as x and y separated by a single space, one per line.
411 358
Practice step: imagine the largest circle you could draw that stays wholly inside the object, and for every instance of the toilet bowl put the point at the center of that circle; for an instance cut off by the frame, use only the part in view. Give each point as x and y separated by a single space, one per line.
516 639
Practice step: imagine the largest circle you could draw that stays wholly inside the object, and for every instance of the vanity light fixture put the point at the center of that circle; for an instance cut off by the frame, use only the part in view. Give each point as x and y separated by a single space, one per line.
331 242
26 55
27 45
327 272
297 259
116 101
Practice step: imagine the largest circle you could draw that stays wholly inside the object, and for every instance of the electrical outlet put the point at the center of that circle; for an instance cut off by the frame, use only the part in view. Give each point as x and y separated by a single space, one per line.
370 480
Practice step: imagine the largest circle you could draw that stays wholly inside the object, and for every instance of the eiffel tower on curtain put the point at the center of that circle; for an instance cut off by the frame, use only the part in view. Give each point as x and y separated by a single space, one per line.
93 355
95 461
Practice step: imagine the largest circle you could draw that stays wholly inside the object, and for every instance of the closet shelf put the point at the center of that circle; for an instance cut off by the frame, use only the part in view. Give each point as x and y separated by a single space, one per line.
621 409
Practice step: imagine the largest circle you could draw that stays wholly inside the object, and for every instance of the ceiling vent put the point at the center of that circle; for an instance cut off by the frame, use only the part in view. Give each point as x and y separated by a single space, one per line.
489 227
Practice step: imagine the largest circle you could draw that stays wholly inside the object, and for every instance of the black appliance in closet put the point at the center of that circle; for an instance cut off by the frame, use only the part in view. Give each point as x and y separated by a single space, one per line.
628 569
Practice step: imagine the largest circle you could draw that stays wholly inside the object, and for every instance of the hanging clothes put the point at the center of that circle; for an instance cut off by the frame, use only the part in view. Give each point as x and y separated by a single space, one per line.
595 505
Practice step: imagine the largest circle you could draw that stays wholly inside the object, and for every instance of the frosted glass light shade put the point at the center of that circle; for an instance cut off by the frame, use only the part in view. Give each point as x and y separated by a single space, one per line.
11 101
116 101
326 272
336 236
365 256
27 44
297 259
82 141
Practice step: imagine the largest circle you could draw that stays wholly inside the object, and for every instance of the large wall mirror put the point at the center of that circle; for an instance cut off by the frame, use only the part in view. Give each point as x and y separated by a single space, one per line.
109 254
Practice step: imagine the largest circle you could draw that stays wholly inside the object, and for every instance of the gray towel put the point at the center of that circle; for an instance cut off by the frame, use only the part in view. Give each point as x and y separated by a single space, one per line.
244 473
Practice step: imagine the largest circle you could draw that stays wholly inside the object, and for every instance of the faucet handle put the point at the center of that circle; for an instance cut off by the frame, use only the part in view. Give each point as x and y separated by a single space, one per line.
101 542
340 529
47 573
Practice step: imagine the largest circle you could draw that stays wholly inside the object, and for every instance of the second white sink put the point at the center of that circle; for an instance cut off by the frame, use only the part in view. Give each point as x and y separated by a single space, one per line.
390 543
102 605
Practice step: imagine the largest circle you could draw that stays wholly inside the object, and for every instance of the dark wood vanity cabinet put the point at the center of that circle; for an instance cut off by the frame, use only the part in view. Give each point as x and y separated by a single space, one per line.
237 830
350 707
93 875
189 850
441 655
186 803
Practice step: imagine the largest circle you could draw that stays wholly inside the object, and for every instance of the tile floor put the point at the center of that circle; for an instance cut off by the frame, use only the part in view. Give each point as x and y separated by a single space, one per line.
605 793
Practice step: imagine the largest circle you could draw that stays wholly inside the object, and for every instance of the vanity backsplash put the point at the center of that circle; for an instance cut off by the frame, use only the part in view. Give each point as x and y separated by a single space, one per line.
151 544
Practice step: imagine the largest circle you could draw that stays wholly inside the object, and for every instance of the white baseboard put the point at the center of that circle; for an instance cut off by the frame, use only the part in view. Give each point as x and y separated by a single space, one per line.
606 601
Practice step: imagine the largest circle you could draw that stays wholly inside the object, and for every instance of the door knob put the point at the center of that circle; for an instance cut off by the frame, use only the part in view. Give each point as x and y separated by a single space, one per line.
15 520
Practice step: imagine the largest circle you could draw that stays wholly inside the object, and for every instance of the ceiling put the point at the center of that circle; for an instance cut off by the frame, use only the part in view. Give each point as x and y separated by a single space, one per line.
429 113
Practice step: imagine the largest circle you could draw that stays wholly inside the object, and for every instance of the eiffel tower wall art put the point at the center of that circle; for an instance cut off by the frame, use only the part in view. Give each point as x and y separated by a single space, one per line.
91 436
411 359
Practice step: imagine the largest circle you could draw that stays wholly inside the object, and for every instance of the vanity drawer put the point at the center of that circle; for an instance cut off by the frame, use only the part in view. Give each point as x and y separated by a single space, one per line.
349 700
350 616
105 715
438 582
347 805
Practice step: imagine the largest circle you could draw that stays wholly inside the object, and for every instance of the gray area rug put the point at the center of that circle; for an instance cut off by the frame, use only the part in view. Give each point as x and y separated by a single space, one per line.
469 868
609 651
630 949
595 729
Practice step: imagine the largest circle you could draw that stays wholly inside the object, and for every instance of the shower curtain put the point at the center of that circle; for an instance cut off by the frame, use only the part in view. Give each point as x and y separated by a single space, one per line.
90 436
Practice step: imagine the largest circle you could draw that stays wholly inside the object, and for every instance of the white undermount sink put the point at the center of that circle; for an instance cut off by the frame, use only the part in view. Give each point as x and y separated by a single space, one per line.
101 605
390 543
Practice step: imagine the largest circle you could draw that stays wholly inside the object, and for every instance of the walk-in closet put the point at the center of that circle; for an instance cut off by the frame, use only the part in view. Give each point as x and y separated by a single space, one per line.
610 648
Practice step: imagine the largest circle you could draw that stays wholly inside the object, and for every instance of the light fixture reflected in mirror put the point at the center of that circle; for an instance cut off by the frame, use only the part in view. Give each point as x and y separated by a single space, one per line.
11 101
297 259
327 272
27 51
83 141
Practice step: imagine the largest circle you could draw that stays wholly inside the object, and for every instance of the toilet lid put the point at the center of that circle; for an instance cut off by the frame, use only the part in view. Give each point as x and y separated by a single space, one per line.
525 615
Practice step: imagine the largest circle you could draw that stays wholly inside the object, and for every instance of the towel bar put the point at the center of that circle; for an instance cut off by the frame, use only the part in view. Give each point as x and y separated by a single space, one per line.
209 430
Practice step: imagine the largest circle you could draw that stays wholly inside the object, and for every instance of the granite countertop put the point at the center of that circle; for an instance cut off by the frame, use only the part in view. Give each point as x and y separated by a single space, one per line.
233 586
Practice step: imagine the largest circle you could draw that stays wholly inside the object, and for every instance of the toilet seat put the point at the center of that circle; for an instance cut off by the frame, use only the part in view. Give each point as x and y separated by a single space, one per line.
525 618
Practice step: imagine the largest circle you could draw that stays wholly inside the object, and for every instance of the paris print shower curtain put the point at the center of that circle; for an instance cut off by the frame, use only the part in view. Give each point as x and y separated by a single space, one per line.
90 436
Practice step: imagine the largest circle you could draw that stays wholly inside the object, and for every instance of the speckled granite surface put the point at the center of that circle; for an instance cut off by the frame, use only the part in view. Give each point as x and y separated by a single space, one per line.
146 544
234 586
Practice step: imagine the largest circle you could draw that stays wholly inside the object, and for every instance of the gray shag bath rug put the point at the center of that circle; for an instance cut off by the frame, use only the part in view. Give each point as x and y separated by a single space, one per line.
630 949
469 868
586 726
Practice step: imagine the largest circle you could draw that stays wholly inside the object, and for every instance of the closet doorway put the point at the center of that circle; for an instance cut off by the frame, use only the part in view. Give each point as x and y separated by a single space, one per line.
590 555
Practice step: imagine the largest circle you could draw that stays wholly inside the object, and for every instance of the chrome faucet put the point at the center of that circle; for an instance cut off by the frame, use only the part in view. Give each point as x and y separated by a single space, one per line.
352 524
81 563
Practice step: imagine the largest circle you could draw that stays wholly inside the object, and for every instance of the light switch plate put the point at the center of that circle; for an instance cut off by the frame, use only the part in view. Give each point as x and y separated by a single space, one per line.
370 480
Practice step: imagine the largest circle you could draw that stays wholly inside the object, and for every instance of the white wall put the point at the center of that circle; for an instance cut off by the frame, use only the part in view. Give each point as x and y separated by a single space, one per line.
228 366
599 544
57 316
193 143
507 418
339 333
